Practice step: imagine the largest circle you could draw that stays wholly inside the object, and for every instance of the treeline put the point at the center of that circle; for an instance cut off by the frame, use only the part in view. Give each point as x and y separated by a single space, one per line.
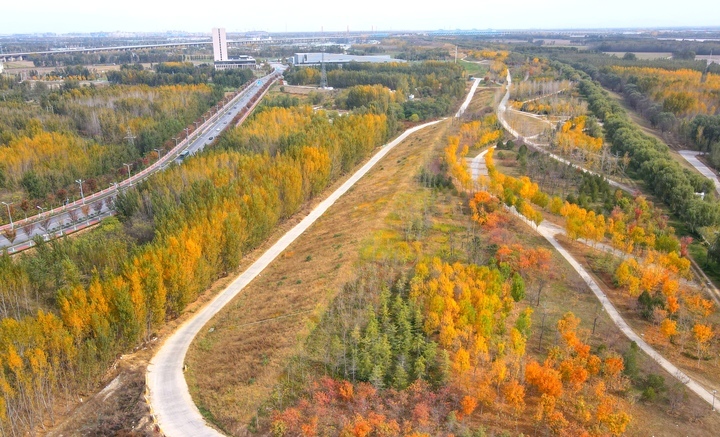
678 48
111 57
677 97
650 160
71 306
593 61
434 85
682 103
170 73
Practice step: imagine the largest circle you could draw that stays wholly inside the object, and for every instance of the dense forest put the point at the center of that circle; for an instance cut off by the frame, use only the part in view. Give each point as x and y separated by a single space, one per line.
169 73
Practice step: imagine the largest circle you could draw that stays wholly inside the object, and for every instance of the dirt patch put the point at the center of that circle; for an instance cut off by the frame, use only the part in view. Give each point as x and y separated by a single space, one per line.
118 409
304 90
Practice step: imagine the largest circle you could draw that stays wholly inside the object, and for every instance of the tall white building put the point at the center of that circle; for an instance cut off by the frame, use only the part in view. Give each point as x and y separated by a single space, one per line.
219 44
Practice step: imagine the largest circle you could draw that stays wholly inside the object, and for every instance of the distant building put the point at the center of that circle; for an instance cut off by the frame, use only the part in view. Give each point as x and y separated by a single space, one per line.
220 54
335 58
219 44
240 62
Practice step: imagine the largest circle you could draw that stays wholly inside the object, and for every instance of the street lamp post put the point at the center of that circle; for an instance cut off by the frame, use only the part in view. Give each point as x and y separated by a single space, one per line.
128 167
42 210
80 182
12 226
187 132
713 405
176 140
158 152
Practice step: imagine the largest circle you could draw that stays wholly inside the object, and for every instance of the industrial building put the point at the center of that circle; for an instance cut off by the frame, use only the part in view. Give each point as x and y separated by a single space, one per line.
337 58
220 53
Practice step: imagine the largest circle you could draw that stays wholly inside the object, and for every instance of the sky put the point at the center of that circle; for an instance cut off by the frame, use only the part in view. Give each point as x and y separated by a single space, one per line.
293 15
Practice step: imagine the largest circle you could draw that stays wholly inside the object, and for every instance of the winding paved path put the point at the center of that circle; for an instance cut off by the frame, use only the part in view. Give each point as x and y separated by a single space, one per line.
549 230
502 108
691 157
169 396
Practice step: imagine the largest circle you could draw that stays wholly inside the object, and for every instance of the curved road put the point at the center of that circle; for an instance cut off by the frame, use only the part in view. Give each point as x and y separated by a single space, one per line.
691 157
549 231
169 397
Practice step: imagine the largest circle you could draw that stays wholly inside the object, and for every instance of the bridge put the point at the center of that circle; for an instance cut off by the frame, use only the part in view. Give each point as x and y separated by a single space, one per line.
9 57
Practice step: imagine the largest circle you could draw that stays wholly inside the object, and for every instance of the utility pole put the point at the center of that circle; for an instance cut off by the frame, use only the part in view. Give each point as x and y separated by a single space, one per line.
130 137
12 226
323 71
128 168
80 182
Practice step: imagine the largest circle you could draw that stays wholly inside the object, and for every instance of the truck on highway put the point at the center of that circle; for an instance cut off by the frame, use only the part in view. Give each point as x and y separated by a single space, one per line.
184 154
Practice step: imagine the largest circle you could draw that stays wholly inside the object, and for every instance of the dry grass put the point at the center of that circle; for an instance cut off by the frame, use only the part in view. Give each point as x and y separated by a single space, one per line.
304 90
234 368
482 101
526 125
643 55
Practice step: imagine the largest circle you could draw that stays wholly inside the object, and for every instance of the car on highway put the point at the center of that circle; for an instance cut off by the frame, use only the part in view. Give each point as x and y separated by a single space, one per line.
211 138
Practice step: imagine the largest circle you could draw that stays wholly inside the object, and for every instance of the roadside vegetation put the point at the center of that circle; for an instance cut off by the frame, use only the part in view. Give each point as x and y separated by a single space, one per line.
51 138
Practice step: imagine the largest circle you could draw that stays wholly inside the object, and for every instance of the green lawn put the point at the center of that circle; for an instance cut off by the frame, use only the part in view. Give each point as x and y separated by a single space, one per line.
473 69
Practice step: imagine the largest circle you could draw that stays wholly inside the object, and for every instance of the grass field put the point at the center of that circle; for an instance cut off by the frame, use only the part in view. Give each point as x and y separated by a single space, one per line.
473 68
526 125
643 55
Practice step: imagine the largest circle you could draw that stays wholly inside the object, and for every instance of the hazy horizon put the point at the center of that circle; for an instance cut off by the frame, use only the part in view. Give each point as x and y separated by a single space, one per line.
136 16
